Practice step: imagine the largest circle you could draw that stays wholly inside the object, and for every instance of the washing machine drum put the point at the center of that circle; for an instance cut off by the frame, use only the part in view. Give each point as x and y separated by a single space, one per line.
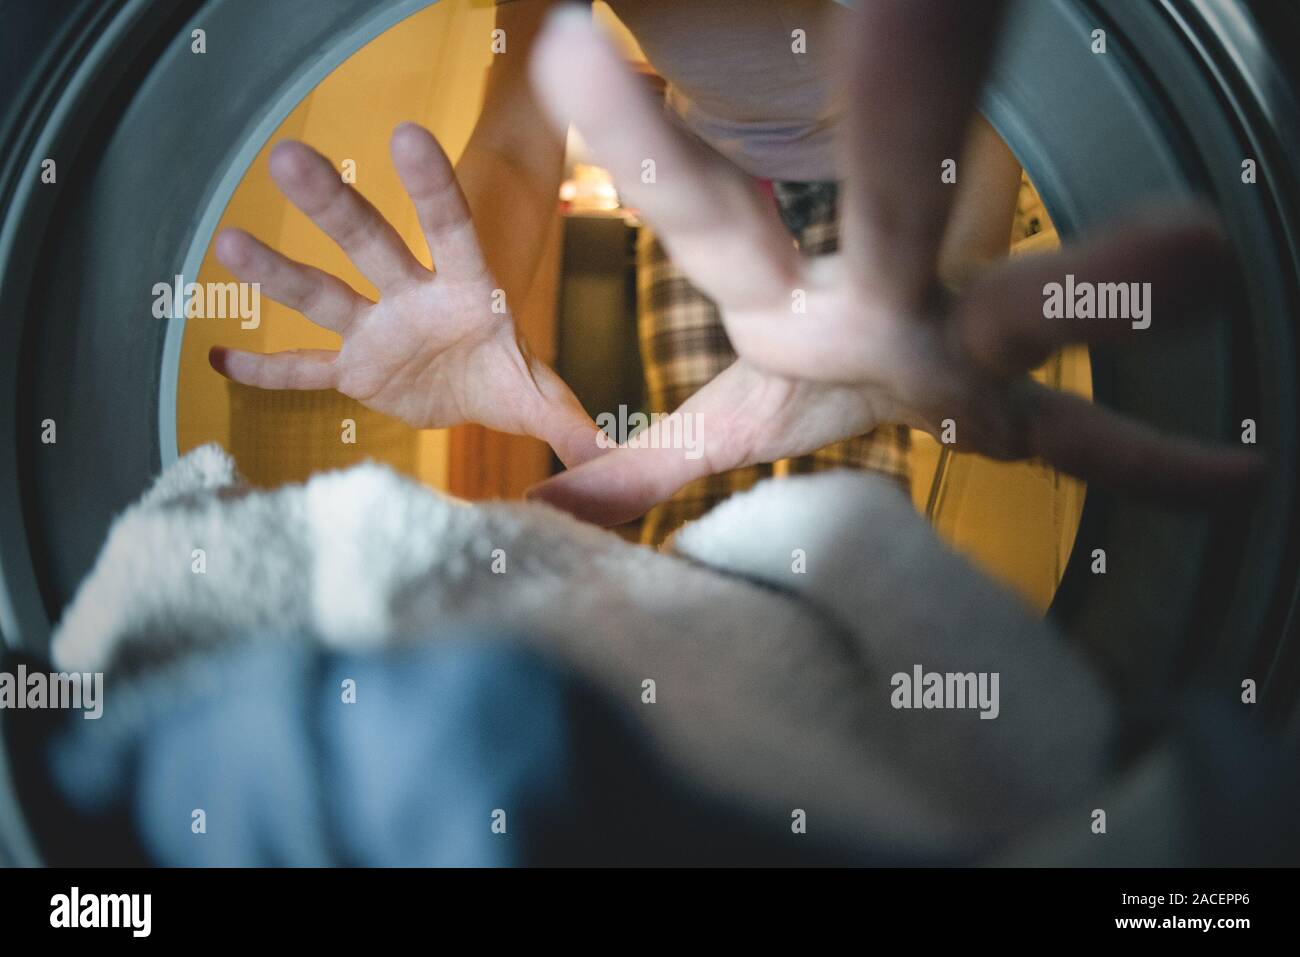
150 140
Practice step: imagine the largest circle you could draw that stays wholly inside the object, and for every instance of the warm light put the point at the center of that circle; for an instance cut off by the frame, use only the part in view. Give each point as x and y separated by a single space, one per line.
589 189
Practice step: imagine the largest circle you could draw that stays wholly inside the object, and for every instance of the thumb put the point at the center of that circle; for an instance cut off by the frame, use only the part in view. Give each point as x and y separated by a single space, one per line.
625 483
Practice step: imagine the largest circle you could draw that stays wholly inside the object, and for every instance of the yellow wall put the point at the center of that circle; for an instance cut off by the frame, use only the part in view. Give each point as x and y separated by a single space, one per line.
430 68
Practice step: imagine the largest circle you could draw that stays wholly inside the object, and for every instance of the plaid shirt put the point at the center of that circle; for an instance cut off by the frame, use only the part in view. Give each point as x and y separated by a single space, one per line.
683 346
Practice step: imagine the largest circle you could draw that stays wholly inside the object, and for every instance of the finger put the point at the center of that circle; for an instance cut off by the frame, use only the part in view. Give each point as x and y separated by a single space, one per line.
313 185
1159 272
440 205
716 429
914 72
324 299
1100 445
708 214
740 417
626 482
299 369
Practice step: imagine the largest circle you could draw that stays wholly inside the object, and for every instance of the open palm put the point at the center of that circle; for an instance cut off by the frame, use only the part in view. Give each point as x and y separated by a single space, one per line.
832 346
439 348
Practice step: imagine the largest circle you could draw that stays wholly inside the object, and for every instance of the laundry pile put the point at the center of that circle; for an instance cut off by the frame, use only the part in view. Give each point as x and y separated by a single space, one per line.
763 652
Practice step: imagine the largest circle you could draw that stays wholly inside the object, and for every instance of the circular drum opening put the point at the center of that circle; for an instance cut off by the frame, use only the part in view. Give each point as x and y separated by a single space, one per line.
1017 520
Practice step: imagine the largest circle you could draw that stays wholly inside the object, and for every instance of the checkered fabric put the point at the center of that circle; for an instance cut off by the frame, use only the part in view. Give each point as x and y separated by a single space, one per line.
683 346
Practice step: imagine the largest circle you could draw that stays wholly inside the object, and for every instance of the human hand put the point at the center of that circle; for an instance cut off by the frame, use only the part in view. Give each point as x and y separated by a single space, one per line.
878 339
439 348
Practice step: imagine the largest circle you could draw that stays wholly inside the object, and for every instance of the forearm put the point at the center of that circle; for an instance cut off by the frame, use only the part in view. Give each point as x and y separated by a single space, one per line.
979 229
515 204
512 167
510 173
